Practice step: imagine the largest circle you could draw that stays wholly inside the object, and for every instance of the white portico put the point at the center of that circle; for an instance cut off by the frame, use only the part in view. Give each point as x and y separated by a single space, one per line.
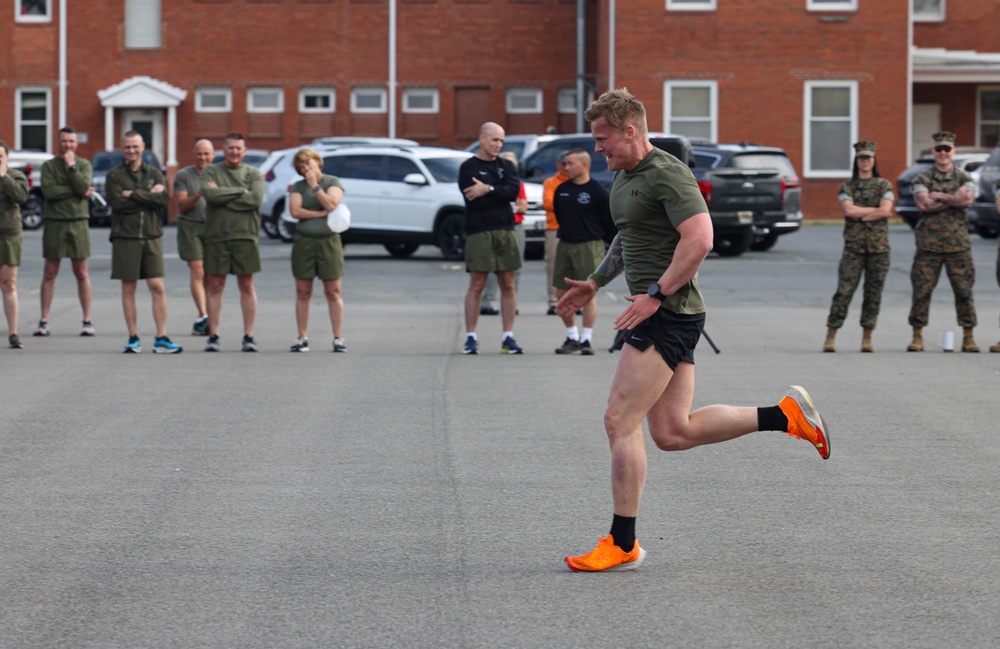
142 101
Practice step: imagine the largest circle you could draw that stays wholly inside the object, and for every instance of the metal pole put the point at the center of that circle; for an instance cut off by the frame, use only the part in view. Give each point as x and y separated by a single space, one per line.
581 56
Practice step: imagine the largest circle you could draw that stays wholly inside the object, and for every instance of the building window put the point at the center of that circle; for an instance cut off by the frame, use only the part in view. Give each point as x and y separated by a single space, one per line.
831 126
420 100
524 100
32 11
691 5
213 100
831 5
265 100
317 100
691 108
142 24
989 116
928 10
368 100
32 115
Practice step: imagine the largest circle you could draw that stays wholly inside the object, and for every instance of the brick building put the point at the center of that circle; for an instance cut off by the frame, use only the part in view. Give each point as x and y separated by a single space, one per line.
811 76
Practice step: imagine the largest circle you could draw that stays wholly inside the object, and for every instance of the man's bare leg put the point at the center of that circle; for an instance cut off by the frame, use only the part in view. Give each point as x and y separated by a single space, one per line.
248 303
82 285
213 301
477 281
48 288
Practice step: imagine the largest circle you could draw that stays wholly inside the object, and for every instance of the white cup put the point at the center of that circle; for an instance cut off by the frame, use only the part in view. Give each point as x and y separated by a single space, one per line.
948 341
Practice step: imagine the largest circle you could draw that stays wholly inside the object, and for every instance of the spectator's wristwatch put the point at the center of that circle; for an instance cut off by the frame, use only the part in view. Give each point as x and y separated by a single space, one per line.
655 292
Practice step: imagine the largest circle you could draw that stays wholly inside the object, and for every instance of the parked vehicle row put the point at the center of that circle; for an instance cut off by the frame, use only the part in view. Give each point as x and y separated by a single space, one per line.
970 159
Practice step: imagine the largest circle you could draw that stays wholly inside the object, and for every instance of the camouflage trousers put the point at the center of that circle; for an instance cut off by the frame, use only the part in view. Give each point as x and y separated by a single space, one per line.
924 277
874 266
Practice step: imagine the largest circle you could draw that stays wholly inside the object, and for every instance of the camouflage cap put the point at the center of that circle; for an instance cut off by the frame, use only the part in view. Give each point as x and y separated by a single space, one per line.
944 138
864 149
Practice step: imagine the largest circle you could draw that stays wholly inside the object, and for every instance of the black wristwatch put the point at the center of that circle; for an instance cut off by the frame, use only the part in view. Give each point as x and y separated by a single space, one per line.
655 292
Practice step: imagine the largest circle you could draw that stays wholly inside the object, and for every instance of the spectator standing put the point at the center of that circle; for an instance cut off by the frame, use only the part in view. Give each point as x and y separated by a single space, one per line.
520 209
13 194
191 228
552 229
66 189
942 194
866 200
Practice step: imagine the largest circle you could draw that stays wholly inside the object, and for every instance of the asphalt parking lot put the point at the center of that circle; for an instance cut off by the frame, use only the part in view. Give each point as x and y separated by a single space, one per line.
405 495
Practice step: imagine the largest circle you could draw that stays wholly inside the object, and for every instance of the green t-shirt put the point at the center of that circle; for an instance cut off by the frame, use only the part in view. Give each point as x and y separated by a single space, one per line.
189 180
648 202
314 227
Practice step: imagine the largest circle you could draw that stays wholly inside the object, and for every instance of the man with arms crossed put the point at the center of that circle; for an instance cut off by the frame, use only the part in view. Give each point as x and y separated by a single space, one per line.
665 232
66 188
233 192
191 227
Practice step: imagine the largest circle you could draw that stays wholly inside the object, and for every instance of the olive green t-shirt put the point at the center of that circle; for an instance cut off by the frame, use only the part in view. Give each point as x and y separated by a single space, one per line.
314 227
648 202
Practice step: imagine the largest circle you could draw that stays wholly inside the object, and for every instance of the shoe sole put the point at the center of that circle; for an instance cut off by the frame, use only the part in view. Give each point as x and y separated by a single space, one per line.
132 350
248 349
84 334
812 415
298 350
160 350
40 334
621 567
341 350
511 353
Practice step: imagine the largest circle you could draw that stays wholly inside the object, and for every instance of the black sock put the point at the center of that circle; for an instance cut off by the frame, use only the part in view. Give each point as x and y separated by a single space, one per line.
623 531
772 419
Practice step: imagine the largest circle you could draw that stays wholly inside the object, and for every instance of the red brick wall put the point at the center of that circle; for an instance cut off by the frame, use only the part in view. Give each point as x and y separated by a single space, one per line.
968 25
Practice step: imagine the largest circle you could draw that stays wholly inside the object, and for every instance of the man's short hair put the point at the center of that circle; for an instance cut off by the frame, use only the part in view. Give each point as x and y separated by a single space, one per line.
67 129
304 155
131 134
235 136
620 109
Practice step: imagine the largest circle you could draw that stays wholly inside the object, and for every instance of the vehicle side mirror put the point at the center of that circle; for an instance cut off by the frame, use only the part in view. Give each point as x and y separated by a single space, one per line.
414 179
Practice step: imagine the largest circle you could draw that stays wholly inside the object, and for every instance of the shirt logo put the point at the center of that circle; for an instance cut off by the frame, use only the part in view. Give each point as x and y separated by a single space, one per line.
583 198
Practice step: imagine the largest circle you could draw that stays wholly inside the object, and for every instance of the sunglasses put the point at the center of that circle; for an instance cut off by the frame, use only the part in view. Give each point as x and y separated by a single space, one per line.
940 149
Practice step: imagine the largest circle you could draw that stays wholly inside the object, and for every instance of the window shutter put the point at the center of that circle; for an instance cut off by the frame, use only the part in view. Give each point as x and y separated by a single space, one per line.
142 24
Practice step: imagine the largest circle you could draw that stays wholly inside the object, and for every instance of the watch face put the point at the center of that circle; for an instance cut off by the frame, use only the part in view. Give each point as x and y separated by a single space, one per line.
654 291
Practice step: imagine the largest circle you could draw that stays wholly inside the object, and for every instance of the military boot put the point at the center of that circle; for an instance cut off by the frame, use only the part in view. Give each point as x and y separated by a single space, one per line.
968 344
995 348
917 345
831 333
866 341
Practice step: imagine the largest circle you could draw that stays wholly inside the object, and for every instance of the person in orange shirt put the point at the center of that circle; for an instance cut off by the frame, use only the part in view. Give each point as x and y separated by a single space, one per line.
552 227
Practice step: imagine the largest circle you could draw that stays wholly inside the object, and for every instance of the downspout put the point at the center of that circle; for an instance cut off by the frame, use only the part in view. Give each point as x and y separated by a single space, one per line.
581 53
392 68
62 63
611 45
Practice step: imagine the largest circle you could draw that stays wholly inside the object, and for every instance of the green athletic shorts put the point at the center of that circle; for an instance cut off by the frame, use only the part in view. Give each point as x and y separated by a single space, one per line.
238 257
191 240
66 239
321 257
10 250
134 259
576 261
492 251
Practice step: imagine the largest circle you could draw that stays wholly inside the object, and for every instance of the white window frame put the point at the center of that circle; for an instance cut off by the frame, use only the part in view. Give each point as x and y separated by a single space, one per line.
18 122
852 86
201 92
691 5
713 105
139 39
836 5
927 18
268 90
979 111
421 92
307 92
369 90
534 93
47 18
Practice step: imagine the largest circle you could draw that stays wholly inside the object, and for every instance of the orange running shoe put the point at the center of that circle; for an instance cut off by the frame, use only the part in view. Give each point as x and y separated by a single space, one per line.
607 557
804 421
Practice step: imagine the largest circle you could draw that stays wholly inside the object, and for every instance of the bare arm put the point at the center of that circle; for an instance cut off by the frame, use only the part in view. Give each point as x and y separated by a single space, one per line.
186 201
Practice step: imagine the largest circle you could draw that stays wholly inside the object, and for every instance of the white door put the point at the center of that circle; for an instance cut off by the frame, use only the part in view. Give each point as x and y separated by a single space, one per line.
926 122
148 123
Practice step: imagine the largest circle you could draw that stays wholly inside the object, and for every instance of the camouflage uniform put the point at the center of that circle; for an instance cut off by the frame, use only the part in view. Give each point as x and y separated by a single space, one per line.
866 251
943 240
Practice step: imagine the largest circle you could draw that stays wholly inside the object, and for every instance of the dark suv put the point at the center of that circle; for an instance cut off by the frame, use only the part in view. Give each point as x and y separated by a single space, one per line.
983 215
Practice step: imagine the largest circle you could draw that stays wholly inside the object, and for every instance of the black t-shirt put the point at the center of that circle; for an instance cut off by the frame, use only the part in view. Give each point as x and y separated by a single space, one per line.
492 211
583 212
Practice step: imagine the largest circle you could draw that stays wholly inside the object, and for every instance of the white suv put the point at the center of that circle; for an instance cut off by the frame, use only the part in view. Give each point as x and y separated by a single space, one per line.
400 197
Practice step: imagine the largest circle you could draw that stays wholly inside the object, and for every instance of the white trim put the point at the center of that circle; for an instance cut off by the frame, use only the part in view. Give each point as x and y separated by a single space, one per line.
18 123
939 65
534 93
832 5
368 91
713 106
421 92
142 92
927 18
225 92
18 18
271 91
979 112
691 5
331 93
852 87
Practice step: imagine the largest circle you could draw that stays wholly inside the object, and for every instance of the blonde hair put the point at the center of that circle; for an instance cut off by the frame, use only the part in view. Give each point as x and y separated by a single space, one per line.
303 156
620 109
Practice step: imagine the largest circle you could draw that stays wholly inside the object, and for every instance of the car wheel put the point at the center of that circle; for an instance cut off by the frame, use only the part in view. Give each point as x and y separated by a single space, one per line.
269 222
733 245
986 232
286 230
31 213
765 242
401 250
451 236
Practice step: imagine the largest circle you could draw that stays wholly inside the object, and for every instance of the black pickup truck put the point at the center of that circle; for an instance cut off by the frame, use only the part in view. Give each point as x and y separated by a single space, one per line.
753 194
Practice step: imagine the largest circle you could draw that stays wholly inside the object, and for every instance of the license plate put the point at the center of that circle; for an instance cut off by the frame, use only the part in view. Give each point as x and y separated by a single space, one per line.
745 217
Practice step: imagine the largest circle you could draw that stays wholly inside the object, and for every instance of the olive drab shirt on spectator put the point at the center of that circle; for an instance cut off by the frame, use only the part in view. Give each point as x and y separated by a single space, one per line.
945 230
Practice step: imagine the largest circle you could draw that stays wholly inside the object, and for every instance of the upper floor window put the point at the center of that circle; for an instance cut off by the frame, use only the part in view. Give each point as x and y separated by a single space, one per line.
265 100
831 5
420 100
690 108
317 100
831 126
988 116
524 100
928 10
142 24
32 11
31 112
213 100
368 100
691 5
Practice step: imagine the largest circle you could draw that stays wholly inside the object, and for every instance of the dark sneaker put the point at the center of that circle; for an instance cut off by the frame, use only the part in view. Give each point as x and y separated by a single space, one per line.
488 310
551 311
569 347
164 345
249 344
133 346
14 342
213 344
586 349
340 345
301 345
471 346
200 327
510 346
42 329
88 328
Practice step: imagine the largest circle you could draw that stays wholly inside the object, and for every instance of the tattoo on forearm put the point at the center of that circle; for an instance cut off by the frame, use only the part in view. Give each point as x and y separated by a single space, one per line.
613 265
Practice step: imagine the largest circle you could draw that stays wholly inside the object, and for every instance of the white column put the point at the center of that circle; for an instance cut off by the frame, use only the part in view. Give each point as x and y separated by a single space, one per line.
109 128
172 136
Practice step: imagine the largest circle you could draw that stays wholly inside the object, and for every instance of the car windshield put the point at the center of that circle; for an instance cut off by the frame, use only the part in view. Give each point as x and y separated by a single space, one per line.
108 159
445 169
